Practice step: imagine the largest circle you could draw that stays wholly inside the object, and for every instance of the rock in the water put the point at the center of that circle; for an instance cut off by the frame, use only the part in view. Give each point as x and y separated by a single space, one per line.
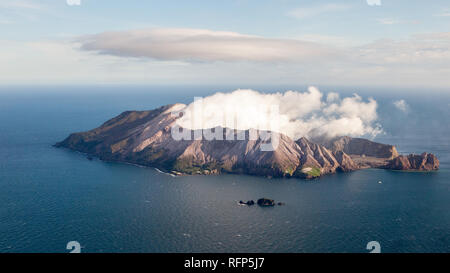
264 202
248 203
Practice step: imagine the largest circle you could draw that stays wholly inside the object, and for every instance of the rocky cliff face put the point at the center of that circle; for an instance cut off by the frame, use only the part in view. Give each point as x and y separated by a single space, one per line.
423 162
346 163
364 153
144 137
362 147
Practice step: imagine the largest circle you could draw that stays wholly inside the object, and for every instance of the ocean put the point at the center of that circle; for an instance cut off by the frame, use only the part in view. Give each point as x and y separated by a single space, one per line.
51 196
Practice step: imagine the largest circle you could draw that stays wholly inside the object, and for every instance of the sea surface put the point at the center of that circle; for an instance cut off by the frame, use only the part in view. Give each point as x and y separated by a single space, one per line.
51 196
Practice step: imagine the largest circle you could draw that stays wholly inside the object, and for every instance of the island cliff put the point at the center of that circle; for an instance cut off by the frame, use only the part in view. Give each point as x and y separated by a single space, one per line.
144 138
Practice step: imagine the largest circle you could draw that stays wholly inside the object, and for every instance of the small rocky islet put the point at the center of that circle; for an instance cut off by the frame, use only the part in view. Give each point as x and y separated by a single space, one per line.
144 138
262 202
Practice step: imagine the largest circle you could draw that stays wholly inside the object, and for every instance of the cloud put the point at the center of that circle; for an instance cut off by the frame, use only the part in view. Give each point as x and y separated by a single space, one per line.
401 105
332 96
339 41
418 51
200 45
306 12
300 113
65 63
190 56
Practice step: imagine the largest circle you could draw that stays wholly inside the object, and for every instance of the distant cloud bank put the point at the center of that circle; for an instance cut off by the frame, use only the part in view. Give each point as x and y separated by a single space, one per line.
184 55
201 45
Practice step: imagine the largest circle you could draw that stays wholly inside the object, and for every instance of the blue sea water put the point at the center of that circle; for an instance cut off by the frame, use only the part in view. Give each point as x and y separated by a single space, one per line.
51 196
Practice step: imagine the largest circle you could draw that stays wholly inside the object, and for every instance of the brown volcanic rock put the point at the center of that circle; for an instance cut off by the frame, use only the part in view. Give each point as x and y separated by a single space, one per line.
238 156
315 155
346 163
364 153
361 147
423 162
145 138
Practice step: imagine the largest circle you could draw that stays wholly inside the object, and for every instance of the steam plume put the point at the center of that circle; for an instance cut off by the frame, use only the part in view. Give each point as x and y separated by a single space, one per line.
306 114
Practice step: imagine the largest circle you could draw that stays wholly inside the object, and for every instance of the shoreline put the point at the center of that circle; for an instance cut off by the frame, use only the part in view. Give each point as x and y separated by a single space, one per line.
158 169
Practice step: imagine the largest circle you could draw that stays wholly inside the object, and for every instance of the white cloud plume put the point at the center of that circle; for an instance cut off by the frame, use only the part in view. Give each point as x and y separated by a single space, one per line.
401 105
300 114
199 45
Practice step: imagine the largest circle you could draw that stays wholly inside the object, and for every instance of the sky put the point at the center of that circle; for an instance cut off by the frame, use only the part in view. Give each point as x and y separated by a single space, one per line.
401 43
